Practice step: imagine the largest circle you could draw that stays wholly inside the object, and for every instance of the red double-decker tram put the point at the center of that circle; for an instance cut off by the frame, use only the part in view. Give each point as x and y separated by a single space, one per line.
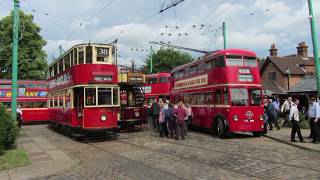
83 89
224 90
32 96
157 87
133 113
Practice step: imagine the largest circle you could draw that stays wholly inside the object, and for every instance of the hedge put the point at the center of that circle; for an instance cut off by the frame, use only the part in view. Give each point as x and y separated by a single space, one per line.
8 129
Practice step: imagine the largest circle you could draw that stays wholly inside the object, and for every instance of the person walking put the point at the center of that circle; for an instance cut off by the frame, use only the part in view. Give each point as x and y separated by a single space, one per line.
285 109
313 115
19 116
294 117
271 112
155 110
171 120
181 113
190 116
162 122
276 106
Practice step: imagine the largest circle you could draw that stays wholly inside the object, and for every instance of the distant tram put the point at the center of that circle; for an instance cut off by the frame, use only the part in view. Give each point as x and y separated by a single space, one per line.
224 90
83 90
133 113
32 96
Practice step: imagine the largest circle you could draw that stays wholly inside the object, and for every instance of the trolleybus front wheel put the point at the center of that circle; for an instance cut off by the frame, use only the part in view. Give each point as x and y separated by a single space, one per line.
221 129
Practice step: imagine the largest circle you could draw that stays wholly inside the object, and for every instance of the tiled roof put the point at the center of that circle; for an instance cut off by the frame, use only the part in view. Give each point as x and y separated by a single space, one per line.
292 63
273 87
307 84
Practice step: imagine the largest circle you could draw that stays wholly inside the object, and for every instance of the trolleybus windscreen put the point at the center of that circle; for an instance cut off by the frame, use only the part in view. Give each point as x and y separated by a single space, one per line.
255 97
239 96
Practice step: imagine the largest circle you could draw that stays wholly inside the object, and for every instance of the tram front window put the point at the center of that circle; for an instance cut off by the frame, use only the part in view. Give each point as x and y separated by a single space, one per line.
104 96
90 96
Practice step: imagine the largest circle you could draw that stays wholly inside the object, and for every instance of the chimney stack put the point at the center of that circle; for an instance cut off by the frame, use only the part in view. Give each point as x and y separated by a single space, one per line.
273 50
302 49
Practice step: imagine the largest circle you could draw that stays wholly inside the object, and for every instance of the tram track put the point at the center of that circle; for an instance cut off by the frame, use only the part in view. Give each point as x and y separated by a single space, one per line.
133 161
218 151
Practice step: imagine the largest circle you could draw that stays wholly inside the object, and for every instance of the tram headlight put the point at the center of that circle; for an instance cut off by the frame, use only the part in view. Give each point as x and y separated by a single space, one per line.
235 117
103 118
137 114
261 118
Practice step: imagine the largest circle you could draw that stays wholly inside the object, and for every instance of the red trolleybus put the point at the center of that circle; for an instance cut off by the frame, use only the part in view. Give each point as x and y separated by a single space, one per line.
32 96
224 91
133 113
83 89
157 87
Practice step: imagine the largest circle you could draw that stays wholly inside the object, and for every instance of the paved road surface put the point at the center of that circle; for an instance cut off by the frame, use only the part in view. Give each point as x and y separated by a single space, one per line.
143 155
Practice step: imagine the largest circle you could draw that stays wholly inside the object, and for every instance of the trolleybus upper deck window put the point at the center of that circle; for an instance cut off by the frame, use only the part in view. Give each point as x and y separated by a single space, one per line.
250 61
255 97
152 80
163 79
239 96
219 61
232 60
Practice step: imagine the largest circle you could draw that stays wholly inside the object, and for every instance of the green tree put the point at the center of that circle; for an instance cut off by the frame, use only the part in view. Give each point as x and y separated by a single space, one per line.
165 59
32 57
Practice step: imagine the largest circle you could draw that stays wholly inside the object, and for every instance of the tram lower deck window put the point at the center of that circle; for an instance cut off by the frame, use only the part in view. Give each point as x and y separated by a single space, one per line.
90 96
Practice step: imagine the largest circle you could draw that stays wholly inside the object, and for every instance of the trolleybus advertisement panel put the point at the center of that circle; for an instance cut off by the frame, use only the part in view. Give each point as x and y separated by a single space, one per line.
192 82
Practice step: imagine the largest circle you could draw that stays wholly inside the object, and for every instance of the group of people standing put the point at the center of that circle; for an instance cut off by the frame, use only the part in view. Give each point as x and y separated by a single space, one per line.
291 112
171 121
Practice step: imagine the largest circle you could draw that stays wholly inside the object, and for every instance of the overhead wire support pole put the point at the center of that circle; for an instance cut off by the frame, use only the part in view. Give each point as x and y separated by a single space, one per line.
151 59
224 32
15 38
315 44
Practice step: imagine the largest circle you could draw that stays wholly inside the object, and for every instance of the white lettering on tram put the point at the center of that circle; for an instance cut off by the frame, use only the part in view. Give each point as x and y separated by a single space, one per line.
61 80
191 82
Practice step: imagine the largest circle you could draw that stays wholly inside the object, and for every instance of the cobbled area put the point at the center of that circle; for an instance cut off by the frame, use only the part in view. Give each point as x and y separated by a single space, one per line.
143 155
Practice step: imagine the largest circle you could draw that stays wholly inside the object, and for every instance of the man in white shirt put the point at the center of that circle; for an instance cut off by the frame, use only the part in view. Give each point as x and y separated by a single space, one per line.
19 116
314 114
294 117
285 109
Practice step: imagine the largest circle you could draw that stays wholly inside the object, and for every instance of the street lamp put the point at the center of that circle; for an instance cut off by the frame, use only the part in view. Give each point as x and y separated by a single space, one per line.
288 76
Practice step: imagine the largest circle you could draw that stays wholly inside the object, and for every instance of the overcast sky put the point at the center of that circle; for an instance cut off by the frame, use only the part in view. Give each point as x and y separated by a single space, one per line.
251 24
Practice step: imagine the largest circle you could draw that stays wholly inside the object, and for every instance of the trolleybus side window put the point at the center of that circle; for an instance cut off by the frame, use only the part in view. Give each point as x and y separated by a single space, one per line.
255 97
217 97
200 99
88 54
201 67
250 61
181 74
90 94
208 98
193 70
209 65
225 96
152 80
239 96
234 60
163 79
219 61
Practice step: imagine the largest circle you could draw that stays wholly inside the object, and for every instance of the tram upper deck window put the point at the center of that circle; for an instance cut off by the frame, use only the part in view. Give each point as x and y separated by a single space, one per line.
67 61
55 69
209 65
219 61
60 65
75 56
81 57
102 54
88 54
232 60
201 67
250 61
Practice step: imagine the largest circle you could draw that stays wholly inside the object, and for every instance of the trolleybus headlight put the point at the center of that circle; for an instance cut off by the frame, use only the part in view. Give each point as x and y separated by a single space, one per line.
261 117
235 117
103 118
137 114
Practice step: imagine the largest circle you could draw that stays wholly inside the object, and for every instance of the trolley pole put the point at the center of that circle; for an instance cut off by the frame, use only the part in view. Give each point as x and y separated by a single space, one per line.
224 32
15 58
315 44
151 59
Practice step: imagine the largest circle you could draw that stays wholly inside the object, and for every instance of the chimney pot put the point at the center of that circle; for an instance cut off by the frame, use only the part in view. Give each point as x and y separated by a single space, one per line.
273 50
302 49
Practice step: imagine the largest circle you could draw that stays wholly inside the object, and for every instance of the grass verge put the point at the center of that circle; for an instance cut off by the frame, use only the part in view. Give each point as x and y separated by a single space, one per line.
13 158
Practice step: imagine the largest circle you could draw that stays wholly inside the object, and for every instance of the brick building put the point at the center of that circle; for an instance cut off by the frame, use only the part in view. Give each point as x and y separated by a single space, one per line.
280 73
